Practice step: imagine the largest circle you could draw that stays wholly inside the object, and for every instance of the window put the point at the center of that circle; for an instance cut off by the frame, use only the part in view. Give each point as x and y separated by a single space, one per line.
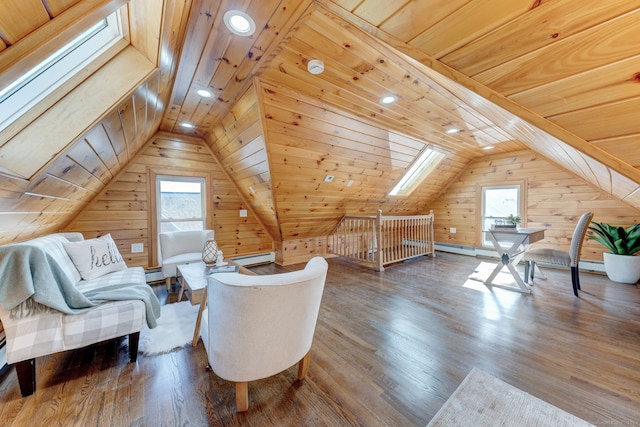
419 170
33 86
180 203
497 204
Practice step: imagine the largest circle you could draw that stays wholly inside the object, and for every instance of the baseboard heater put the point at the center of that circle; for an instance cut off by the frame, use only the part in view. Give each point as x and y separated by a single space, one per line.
264 258
595 266
154 275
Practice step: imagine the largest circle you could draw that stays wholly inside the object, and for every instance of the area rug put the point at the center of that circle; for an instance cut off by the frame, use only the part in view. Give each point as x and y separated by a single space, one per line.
175 329
483 400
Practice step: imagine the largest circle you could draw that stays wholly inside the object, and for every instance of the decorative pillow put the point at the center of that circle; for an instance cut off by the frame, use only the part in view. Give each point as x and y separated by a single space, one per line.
95 257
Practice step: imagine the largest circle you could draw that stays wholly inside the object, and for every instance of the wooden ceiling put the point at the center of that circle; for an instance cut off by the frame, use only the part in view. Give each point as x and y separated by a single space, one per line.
560 77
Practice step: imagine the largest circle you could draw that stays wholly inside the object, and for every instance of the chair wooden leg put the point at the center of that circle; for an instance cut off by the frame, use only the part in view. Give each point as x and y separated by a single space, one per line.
303 365
242 397
26 370
134 339
167 283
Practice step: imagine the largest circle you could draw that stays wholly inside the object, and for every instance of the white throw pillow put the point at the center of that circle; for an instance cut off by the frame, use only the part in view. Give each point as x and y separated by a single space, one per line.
95 257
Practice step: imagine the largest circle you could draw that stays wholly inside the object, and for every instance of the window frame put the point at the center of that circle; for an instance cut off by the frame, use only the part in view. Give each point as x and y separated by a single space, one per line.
53 73
522 203
190 179
424 164
152 212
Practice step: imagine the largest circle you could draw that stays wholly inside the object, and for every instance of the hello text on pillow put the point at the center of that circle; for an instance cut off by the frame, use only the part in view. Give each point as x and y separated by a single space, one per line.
95 257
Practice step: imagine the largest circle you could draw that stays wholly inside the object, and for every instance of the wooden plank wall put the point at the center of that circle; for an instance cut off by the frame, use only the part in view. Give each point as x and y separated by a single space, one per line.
239 145
296 251
555 201
123 208
308 140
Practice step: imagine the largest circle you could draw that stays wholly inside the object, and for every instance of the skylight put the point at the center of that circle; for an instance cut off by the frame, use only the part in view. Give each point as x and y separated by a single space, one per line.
33 86
419 170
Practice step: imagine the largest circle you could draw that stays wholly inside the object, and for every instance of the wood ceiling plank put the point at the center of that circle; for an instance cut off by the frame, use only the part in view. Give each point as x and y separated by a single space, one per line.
624 147
113 128
247 154
424 96
477 17
36 203
56 7
612 41
417 15
292 136
603 121
17 19
201 23
376 12
53 187
610 83
65 168
352 104
276 26
541 26
231 143
329 160
139 114
101 145
82 154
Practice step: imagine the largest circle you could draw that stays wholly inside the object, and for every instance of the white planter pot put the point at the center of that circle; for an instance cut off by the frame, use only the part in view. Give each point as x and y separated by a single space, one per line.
622 268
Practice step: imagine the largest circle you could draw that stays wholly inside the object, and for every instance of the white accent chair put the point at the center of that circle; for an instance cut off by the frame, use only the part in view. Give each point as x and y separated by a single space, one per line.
258 326
181 247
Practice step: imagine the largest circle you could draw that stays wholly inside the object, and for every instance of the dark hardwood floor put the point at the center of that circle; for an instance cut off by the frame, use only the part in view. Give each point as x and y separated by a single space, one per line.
389 349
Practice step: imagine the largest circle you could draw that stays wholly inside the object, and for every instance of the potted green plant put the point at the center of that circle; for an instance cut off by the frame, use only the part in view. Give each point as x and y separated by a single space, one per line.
514 219
620 262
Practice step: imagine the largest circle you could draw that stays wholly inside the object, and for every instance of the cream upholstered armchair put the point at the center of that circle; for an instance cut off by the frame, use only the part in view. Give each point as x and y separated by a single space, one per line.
181 247
258 326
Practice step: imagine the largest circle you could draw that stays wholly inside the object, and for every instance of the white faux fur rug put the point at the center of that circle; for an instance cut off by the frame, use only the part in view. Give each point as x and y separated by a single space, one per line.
175 329
483 400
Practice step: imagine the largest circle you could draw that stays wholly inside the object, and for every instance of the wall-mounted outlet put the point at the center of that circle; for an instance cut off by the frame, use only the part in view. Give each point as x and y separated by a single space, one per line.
452 230
137 248
243 213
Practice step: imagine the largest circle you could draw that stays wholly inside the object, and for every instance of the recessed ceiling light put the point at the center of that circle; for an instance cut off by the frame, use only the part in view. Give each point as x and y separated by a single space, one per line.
187 125
388 99
453 130
488 147
239 23
204 93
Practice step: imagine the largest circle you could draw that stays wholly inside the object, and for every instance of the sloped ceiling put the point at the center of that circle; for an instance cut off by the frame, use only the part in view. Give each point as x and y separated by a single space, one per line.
558 77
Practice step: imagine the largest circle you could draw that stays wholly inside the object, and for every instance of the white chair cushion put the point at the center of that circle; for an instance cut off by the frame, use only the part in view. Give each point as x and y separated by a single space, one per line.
548 256
169 265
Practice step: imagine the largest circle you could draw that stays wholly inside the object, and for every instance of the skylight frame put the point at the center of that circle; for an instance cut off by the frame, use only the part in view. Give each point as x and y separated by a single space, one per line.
57 69
422 167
